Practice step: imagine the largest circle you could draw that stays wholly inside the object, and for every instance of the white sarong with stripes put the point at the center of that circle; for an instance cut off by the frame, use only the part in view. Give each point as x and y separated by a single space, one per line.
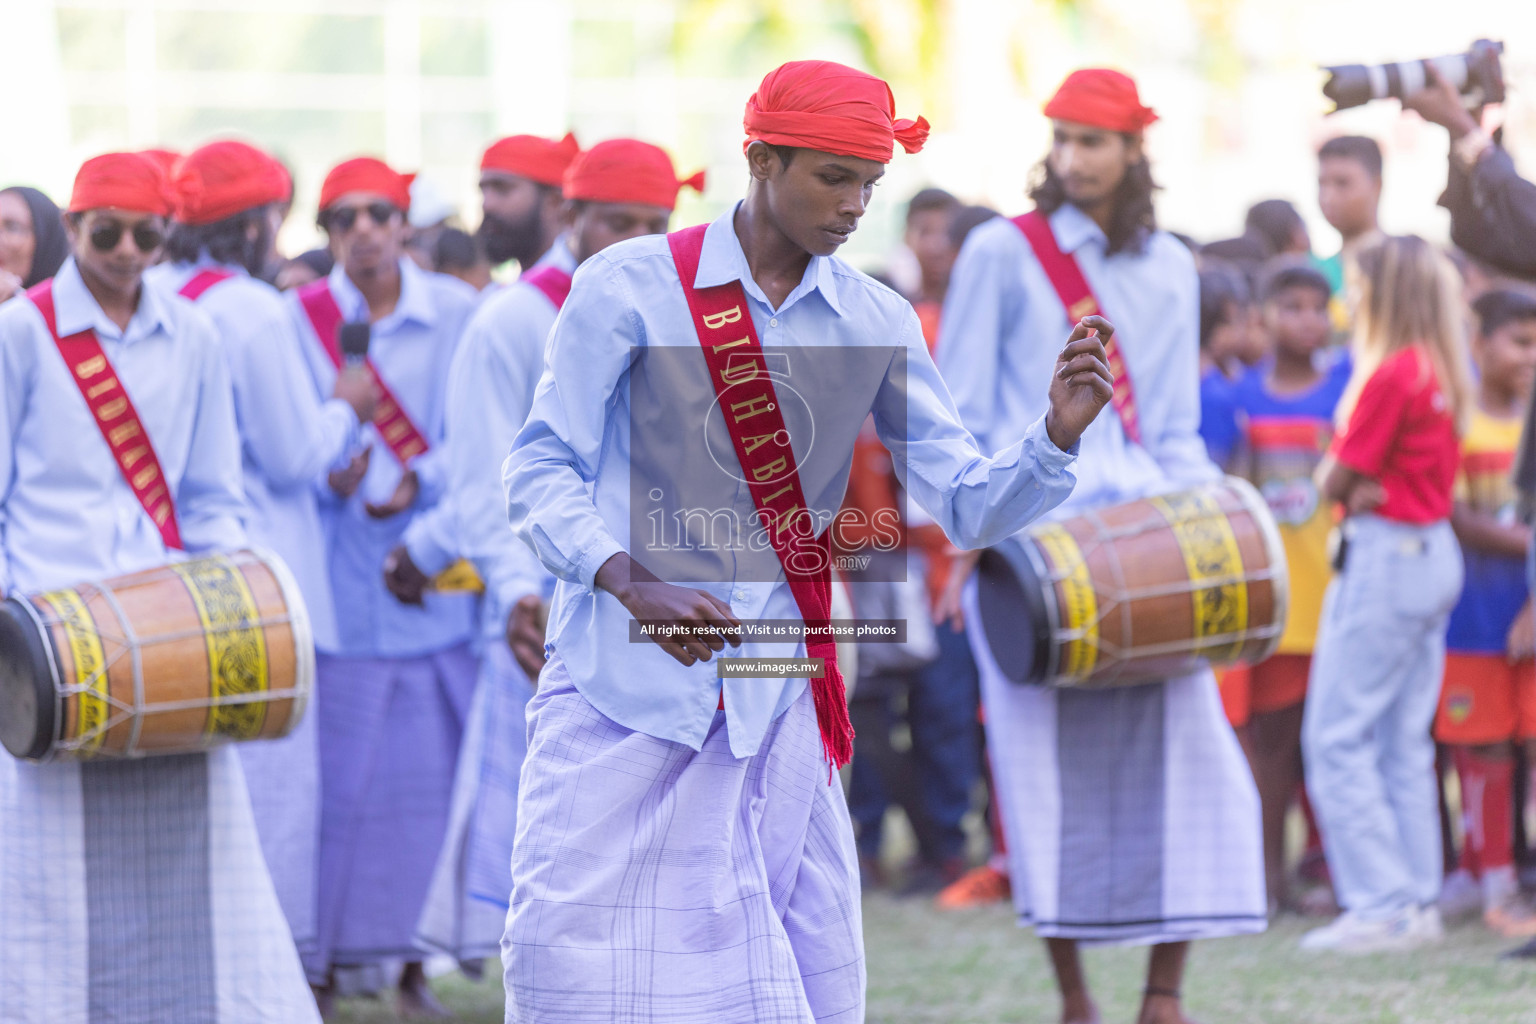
1130 813
653 884
134 892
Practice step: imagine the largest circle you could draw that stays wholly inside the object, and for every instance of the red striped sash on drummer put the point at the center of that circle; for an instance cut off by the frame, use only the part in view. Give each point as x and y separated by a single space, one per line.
745 391
203 280
115 416
1072 288
389 419
552 281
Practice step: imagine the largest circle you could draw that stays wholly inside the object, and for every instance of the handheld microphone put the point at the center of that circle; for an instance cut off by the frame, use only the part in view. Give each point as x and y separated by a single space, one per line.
354 342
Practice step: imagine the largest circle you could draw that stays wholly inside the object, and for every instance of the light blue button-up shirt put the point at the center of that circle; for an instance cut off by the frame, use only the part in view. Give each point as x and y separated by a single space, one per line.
1002 329
567 479
412 348
289 437
66 512
490 391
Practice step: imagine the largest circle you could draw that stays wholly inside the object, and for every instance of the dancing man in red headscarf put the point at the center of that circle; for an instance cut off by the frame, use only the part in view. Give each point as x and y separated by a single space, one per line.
1130 813
683 852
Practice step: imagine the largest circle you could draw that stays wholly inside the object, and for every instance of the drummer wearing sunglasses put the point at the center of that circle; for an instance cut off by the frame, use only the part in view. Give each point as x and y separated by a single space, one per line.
112 249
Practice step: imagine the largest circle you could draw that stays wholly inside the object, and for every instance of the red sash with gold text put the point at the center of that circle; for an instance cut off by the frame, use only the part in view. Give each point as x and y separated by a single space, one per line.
115 416
389 419
1072 288
740 378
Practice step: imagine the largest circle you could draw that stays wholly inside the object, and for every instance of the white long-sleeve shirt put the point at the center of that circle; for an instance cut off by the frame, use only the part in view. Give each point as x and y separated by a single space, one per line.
289 436
66 512
623 368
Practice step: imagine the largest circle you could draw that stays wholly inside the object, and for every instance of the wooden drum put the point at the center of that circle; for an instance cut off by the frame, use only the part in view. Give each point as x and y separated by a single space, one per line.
1138 592
166 661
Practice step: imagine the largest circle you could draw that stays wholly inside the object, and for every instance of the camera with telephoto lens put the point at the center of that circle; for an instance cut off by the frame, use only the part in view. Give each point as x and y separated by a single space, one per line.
1477 74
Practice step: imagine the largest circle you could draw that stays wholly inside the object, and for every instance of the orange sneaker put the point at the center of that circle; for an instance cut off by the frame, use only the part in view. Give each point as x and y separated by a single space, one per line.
1514 918
978 887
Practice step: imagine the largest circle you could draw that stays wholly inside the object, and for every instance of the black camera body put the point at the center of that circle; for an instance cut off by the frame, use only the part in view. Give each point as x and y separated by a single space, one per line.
1477 74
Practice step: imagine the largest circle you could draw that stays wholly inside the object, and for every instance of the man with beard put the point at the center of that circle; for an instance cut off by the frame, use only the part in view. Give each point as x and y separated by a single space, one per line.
289 438
520 179
683 852
394 694
1130 813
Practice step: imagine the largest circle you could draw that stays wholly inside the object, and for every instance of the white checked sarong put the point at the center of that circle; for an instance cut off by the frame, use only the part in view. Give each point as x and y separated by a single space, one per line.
134 892
1131 814
466 909
653 884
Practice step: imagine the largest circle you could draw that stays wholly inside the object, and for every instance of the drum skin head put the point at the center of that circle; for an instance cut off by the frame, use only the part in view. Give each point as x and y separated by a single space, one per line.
1013 614
27 696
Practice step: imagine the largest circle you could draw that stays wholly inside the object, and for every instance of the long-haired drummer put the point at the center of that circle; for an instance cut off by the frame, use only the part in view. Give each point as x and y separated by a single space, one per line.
129 890
1131 816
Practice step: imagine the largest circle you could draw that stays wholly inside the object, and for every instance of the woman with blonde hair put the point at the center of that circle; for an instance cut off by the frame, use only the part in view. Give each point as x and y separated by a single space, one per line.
1380 650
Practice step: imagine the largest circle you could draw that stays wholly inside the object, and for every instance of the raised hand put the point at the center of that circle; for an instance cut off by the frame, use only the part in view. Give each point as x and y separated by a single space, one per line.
1082 383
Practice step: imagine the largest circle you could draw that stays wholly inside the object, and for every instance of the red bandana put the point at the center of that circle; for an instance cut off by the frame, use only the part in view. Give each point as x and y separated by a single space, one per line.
223 178
126 181
529 156
627 171
365 174
816 104
1100 98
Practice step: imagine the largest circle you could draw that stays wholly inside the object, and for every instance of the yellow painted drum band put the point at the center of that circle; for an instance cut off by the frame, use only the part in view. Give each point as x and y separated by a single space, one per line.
237 647
1079 611
1205 537
91 708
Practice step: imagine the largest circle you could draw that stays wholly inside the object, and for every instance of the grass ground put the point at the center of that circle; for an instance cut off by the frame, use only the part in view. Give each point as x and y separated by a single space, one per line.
976 967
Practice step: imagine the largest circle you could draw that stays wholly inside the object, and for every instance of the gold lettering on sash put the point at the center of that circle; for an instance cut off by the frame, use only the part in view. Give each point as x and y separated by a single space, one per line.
123 432
763 474
715 321
415 447
786 520
161 513
90 367
754 406
155 495
740 372
385 409
102 388
732 344
395 431
780 493
1084 306
112 410
756 441
129 458
142 478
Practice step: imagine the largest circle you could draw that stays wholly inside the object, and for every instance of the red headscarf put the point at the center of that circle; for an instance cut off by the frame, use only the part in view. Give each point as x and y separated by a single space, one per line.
223 178
816 104
365 174
166 159
126 181
530 156
1103 99
627 171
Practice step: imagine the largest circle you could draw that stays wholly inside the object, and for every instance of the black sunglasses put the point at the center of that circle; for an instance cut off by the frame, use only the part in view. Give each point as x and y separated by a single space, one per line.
105 234
380 212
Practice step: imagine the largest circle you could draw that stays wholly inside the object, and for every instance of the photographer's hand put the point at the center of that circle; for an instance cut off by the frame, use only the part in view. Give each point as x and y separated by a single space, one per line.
1439 103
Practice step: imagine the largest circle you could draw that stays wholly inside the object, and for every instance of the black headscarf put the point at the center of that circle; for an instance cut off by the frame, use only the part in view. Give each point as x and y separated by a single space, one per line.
50 246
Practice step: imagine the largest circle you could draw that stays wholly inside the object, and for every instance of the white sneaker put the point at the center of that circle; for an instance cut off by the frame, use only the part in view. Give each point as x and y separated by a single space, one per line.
1427 926
1351 934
